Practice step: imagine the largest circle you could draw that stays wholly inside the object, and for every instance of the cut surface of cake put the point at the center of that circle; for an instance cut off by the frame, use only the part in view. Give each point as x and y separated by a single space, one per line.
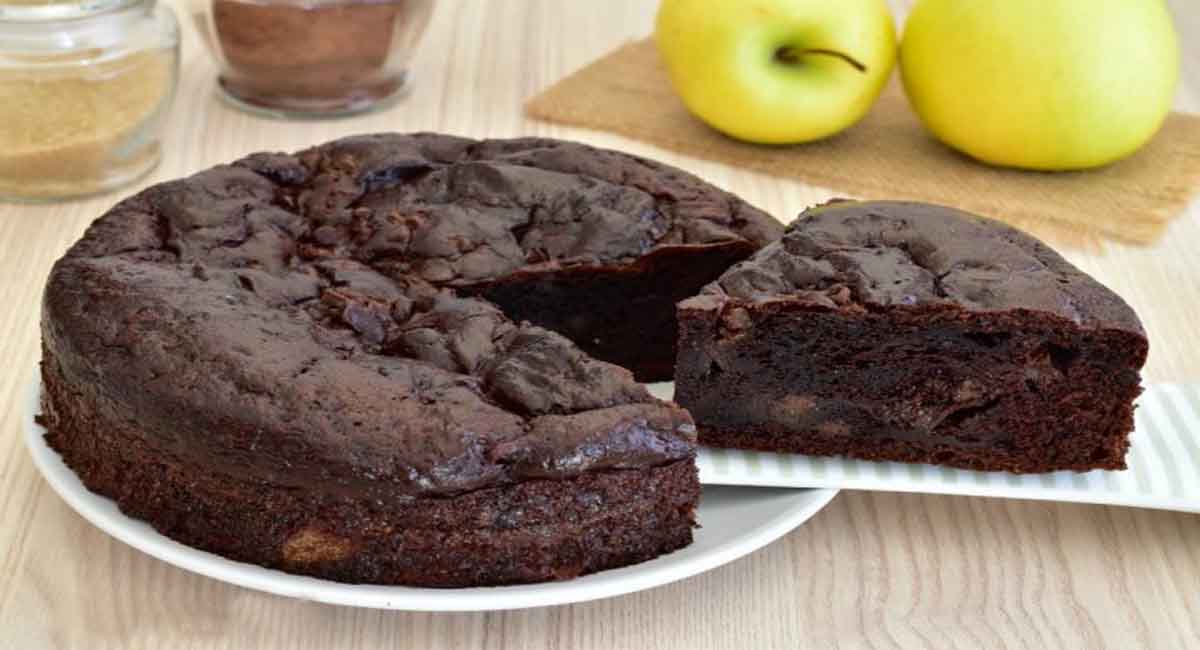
910 332
363 361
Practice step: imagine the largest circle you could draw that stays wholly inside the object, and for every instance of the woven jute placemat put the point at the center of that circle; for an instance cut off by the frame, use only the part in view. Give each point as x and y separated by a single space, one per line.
890 155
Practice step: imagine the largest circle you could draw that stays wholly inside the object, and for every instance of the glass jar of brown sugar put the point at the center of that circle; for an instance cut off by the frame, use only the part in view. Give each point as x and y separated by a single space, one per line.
85 86
298 58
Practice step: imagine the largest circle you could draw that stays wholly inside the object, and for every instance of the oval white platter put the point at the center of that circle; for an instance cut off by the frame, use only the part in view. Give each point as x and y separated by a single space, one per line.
734 521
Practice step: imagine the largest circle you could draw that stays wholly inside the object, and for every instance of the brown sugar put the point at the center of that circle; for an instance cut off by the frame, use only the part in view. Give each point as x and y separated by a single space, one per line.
70 129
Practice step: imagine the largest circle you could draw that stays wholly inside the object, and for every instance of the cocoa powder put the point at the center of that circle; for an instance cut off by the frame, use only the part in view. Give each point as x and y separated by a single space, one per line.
325 52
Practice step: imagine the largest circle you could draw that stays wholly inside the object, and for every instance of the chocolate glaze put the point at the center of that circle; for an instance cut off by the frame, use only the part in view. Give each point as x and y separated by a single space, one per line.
306 319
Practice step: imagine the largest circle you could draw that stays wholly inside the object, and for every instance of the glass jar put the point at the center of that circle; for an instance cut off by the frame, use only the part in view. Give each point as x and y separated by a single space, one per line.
312 58
84 88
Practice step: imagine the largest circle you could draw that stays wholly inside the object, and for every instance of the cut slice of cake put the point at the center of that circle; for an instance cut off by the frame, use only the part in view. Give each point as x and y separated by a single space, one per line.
915 333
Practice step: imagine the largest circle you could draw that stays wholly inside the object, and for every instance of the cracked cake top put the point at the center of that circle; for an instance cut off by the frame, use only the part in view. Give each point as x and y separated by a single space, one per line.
878 254
296 316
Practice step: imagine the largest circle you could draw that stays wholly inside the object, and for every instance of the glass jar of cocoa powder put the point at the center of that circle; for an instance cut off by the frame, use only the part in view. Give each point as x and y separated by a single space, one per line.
312 58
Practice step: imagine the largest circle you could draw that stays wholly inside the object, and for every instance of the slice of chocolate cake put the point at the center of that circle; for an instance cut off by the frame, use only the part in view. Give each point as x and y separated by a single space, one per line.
916 333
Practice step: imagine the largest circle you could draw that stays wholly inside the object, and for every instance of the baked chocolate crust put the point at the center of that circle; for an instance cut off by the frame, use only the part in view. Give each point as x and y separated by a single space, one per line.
910 332
531 531
351 324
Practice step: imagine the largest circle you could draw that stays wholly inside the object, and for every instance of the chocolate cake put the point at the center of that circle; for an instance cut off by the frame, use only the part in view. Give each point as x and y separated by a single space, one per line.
356 362
910 332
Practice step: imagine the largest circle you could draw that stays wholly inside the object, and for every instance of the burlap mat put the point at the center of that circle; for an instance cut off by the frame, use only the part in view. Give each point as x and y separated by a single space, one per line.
890 155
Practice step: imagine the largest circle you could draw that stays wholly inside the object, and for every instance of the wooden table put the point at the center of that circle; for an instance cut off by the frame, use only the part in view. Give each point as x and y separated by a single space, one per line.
871 570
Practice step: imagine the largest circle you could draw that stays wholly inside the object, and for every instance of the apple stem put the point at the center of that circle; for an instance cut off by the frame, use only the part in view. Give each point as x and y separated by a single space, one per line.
790 55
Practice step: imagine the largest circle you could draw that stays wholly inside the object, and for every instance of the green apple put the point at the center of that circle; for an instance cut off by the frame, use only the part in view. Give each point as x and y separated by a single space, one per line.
777 71
1041 84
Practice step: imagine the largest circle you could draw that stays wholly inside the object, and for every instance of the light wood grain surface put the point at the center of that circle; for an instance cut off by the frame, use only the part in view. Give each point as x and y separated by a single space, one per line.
871 570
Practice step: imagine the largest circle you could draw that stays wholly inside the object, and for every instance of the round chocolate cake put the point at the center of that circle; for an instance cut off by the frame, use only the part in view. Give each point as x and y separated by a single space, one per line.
394 359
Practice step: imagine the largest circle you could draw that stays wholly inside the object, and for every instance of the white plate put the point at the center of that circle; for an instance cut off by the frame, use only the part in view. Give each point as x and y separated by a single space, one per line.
734 522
